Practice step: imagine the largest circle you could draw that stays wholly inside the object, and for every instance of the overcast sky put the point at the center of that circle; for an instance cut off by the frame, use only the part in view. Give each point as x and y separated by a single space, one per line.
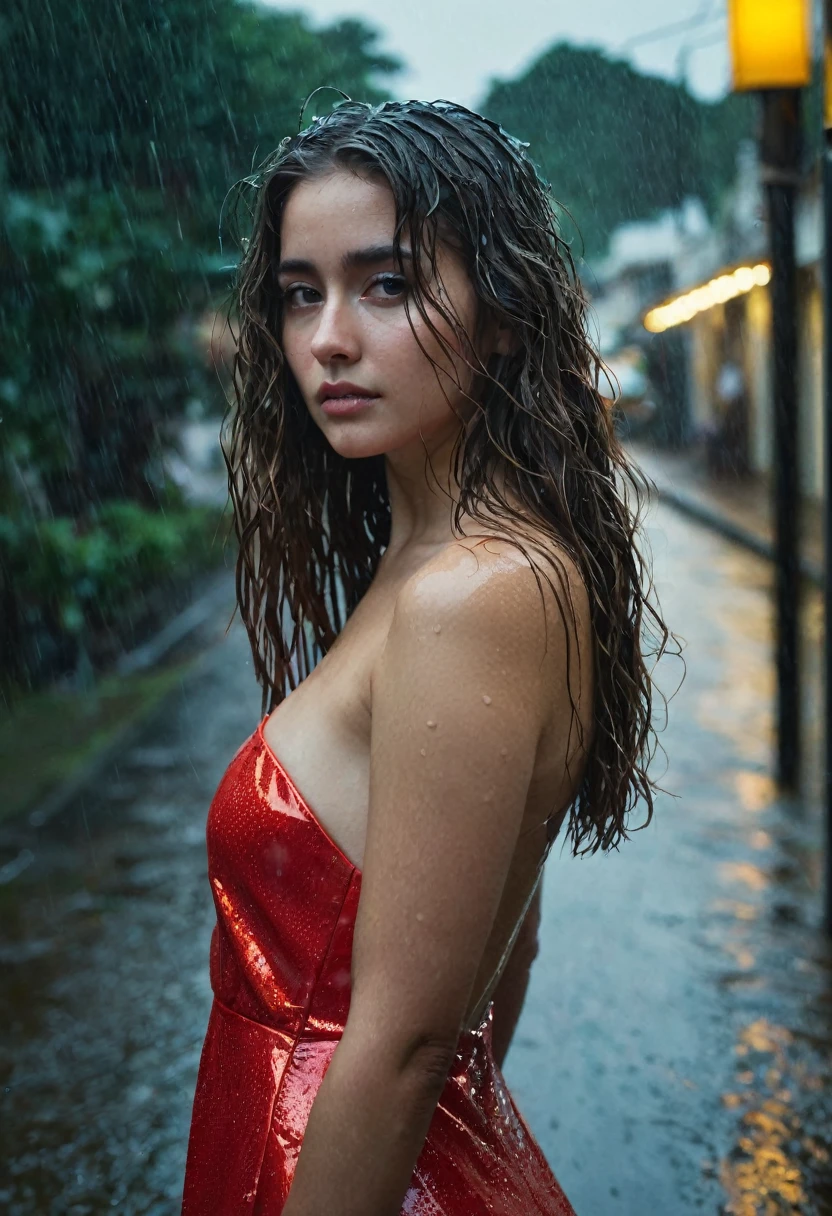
454 47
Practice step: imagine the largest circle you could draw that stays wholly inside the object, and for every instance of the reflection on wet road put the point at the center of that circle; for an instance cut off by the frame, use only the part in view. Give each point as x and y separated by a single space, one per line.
674 1053
104 954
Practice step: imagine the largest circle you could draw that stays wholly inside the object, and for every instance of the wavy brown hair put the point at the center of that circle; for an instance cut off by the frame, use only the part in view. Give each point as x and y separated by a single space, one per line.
312 525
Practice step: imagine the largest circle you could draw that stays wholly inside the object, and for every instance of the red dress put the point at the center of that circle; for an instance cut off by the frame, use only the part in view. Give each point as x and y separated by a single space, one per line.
286 899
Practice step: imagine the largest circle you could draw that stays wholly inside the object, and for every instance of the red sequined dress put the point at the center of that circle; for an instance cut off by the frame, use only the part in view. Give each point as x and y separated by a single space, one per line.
286 899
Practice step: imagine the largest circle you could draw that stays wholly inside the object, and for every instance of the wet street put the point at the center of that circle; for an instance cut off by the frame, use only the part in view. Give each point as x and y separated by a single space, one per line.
675 1052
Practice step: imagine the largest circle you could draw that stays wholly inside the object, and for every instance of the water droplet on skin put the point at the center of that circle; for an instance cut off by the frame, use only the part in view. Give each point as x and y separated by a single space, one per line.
486 699
437 629
422 750
431 724
420 916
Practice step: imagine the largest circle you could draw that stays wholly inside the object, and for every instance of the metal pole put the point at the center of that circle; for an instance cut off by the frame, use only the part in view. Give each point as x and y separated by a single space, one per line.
827 496
781 162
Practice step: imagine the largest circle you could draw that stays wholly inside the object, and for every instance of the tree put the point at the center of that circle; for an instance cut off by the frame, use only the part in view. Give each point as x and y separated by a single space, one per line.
617 145
167 95
139 117
124 125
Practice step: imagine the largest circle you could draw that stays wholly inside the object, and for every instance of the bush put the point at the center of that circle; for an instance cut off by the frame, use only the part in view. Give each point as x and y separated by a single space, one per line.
73 580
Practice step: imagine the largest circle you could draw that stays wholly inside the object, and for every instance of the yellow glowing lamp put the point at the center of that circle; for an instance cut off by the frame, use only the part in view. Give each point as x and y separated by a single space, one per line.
771 43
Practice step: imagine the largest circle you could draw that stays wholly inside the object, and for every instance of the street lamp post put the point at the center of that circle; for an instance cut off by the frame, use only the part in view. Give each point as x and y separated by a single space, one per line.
827 390
771 54
780 160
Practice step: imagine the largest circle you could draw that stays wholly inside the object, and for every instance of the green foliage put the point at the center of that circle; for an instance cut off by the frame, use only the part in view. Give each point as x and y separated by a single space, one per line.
169 95
91 362
123 126
616 145
82 576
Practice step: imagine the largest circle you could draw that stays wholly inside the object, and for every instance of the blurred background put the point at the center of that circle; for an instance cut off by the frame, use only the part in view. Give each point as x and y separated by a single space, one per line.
675 1051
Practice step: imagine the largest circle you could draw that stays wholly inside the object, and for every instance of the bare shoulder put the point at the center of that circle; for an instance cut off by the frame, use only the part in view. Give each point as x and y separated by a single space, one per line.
495 583
462 699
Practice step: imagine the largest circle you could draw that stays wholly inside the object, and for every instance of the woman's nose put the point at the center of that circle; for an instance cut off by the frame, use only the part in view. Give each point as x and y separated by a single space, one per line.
336 336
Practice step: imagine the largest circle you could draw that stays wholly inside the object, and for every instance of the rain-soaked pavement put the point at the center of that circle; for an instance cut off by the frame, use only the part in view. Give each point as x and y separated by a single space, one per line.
674 1053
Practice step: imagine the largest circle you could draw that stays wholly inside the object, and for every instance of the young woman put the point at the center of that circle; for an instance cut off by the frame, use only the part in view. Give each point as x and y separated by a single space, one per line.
428 493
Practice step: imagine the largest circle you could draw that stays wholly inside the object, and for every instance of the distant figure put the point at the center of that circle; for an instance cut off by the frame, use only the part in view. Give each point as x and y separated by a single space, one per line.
428 491
726 440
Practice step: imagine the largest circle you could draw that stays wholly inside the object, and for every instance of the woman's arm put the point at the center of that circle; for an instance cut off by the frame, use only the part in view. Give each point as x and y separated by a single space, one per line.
459 701
510 992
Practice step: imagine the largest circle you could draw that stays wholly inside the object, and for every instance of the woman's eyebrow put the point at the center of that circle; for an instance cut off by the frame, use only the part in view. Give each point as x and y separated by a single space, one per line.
355 257
375 253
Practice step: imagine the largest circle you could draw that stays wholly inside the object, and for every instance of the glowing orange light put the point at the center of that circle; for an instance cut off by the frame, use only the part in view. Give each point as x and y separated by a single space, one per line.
717 291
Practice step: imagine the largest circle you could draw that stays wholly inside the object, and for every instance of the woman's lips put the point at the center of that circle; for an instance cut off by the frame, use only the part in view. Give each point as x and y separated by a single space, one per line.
343 407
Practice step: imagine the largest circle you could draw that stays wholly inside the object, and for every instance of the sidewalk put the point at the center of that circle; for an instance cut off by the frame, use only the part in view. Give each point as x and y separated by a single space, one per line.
674 1052
55 742
740 510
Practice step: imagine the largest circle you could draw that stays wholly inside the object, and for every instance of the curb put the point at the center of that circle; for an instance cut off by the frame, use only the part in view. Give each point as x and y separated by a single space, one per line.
710 518
148 655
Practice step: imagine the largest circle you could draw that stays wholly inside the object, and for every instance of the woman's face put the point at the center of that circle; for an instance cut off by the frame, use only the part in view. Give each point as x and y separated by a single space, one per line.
346 333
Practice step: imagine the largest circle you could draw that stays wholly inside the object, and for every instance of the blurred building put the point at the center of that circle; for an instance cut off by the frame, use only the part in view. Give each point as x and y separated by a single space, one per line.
692 297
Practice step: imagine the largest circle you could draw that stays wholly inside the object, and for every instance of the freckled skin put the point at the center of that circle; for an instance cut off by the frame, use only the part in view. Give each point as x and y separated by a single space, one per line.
352 325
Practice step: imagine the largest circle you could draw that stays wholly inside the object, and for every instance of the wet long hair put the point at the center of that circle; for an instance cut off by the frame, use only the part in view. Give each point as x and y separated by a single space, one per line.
312 525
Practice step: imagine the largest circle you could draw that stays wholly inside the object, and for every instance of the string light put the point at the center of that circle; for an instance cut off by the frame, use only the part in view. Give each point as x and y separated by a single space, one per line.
717 291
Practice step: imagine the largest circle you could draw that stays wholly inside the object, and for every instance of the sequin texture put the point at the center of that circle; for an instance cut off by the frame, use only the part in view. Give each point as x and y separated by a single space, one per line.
286 899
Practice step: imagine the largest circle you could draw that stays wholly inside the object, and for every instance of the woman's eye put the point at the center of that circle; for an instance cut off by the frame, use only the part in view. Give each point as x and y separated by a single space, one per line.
299 295
389 287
